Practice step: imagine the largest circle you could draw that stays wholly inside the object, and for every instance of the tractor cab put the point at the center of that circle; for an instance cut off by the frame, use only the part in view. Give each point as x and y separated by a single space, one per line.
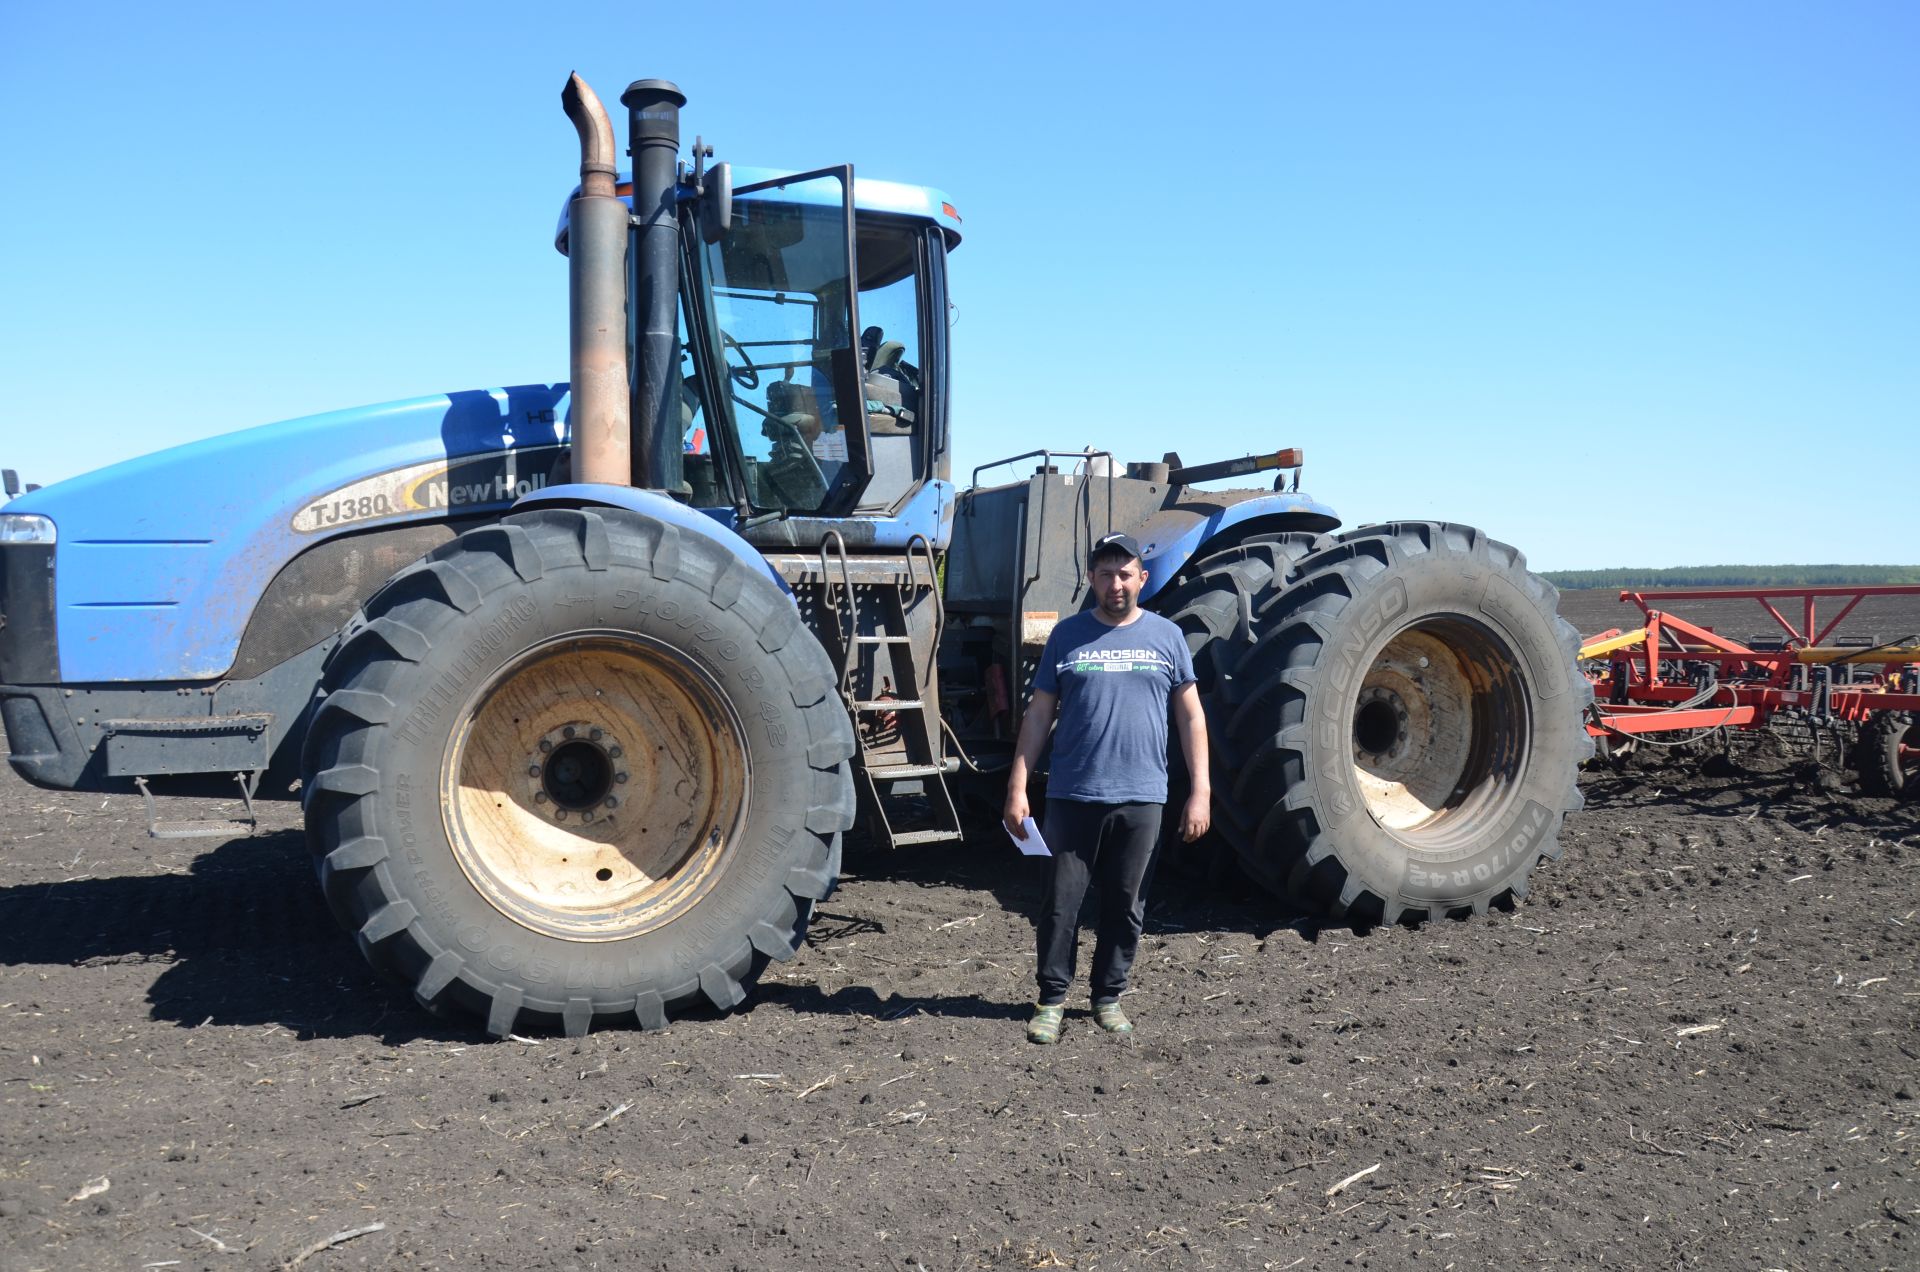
810 347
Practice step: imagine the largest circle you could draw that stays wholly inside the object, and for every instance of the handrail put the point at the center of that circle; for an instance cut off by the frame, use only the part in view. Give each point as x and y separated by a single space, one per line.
850 642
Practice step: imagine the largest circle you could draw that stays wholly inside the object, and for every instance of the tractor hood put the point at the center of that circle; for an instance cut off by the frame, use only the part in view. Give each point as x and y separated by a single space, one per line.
159 561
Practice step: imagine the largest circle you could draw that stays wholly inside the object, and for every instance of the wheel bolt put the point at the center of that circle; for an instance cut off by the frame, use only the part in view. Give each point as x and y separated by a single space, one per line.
619 777
559 814
614 752
613 801
587 816
595 734
539 797
567 732
533 770
545 746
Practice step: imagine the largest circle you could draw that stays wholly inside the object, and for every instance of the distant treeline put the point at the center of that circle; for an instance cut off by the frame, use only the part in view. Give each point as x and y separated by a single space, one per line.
1735 576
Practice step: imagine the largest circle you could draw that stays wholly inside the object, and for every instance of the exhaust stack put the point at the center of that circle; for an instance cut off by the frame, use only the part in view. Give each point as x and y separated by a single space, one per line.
653 120
597 301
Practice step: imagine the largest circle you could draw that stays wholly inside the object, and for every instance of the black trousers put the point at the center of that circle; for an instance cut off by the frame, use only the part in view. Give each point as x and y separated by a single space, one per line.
1110 846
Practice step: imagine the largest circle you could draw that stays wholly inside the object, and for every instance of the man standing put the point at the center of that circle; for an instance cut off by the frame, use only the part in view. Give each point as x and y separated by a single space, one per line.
1110 672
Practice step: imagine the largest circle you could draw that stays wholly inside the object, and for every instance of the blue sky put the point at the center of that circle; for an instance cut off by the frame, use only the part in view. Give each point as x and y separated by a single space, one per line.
1623 284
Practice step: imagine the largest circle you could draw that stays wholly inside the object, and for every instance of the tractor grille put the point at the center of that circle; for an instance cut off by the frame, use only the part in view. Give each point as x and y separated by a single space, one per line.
28 652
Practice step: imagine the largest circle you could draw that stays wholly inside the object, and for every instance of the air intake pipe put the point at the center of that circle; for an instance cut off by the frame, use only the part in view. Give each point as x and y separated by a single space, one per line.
597 300
653 264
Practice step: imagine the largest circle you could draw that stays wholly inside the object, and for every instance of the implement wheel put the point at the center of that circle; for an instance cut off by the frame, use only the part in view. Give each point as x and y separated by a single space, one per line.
578 766
1890 754
1396 717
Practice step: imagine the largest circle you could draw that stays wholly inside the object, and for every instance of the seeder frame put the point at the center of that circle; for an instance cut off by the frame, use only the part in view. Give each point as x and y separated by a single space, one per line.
1673 674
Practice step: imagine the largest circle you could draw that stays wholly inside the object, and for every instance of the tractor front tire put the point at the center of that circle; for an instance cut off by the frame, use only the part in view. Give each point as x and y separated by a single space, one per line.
576 767
1396 717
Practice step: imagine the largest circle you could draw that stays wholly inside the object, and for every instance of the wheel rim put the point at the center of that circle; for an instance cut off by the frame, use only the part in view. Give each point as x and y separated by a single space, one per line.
1439 732
594 786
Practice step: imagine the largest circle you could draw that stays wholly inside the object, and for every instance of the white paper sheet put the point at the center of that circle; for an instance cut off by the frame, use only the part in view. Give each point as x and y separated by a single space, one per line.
1033 845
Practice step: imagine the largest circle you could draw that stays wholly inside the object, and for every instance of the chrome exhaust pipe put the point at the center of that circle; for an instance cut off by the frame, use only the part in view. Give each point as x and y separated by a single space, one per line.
597 301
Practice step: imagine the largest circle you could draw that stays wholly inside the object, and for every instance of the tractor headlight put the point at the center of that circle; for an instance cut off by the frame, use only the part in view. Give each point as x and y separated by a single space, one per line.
25 527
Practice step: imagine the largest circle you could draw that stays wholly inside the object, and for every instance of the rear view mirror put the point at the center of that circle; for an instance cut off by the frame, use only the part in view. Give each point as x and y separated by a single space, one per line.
716 205
12 480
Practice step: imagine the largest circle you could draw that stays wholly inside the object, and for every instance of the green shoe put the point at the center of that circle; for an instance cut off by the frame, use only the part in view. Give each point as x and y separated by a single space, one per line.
1110 1018
1044 1028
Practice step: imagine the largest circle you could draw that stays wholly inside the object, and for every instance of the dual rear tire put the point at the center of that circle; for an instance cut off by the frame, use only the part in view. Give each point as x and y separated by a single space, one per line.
1395 714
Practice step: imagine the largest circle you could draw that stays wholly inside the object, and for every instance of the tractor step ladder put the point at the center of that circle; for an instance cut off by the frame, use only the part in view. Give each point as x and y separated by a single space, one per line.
899 758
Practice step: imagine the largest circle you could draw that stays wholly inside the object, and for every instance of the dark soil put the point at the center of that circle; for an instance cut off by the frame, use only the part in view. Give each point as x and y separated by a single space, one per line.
1695 1046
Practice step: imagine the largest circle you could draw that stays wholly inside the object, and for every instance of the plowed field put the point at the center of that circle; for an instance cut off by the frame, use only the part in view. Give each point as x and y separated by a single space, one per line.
1695 1046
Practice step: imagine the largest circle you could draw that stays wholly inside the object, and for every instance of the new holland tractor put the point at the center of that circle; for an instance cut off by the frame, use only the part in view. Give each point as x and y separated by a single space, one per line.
580 685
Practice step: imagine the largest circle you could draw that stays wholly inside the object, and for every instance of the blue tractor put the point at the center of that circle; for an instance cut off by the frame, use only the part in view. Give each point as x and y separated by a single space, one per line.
581 689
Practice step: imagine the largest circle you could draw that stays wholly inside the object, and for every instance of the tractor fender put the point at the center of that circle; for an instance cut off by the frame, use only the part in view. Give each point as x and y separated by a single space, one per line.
1173 537
657 506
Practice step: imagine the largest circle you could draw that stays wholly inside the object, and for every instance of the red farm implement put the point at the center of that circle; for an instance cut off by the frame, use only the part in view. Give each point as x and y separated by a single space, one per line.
1676 677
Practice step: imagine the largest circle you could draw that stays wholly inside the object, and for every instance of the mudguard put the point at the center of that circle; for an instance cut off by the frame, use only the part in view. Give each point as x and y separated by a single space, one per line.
712 524
1171 538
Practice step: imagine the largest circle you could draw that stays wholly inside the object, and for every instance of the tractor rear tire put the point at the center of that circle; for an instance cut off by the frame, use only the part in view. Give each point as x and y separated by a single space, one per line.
1396 717
577 767
1890 754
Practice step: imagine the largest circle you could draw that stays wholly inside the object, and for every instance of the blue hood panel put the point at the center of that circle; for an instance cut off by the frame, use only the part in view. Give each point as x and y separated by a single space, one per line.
161 560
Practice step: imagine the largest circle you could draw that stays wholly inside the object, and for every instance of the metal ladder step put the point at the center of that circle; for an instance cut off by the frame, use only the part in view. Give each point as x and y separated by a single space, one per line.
206 828
924 836
883 640
890 704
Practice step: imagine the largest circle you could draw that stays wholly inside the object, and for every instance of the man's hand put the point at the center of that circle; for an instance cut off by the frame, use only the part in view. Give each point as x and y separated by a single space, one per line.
1016 812
1197 816
1034 727
1191 721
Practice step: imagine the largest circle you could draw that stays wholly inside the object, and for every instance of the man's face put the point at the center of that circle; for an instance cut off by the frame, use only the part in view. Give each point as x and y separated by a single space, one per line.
1117 584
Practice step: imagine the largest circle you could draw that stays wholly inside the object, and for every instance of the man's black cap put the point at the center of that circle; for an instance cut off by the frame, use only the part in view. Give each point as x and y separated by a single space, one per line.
1107 543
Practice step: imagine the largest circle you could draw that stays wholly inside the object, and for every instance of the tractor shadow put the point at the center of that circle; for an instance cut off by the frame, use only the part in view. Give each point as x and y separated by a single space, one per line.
861 1000
1192 888
242 938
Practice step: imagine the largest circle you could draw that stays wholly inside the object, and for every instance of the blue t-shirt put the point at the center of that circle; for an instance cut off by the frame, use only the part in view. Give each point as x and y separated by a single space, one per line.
1110 739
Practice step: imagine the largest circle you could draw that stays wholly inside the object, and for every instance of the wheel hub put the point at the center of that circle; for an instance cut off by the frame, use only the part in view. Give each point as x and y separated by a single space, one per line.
576 771
594 785
1379 725
1439 730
